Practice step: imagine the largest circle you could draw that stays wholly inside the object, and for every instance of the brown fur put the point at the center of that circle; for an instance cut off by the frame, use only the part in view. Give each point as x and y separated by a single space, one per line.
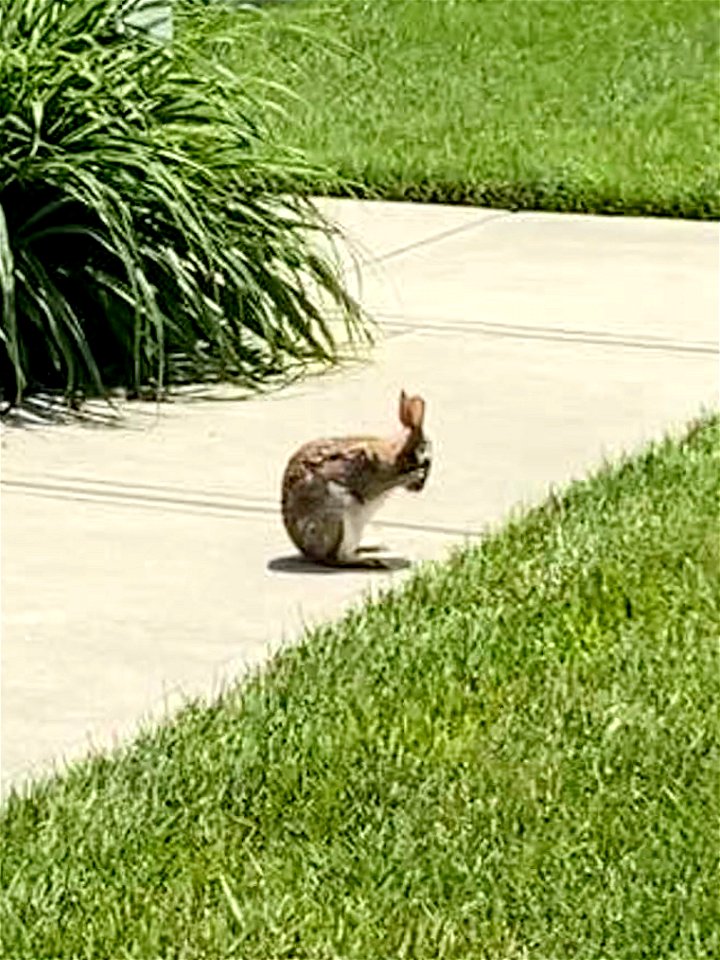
331 485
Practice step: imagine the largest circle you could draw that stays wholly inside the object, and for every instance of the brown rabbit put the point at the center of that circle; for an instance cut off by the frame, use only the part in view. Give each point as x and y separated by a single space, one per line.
331 488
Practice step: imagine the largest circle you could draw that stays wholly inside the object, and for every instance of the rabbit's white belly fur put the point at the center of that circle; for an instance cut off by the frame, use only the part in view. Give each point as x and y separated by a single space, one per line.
355 517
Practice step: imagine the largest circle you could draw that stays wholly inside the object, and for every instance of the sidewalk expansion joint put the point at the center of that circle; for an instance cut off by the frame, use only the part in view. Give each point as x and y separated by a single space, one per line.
443 235
129 495
398 325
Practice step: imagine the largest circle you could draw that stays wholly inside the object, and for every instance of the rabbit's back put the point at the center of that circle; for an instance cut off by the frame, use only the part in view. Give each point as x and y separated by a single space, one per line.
328 492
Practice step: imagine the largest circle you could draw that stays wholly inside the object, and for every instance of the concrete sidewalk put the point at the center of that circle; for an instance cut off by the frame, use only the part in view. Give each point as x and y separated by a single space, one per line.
145 563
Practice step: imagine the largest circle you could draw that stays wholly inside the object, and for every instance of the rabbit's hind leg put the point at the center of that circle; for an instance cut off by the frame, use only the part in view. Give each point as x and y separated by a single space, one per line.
320 537
330 540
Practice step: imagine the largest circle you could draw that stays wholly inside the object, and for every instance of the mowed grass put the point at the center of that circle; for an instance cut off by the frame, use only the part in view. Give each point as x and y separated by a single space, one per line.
600 106
516 755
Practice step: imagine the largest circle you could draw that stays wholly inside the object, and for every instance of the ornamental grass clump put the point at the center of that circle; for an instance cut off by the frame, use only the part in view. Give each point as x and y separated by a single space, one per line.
145 236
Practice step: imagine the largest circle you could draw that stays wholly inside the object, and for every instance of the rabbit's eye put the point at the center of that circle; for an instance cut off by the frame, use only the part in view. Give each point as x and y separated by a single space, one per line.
417 467
423 454
419 457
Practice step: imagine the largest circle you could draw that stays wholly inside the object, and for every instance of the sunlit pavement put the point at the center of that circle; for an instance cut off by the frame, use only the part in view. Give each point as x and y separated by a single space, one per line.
146 562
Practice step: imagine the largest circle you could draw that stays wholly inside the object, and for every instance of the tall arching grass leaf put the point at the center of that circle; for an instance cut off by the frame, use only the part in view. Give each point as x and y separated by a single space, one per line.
143 235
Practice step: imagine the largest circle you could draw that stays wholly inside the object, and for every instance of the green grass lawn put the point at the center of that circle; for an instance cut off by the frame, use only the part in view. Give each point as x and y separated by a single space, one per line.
514 756
604 106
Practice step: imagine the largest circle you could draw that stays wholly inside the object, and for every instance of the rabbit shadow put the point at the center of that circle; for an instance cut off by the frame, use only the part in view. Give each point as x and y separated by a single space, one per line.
298 564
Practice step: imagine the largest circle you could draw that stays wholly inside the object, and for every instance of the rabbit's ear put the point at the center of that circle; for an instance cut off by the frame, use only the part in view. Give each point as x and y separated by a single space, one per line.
412 411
